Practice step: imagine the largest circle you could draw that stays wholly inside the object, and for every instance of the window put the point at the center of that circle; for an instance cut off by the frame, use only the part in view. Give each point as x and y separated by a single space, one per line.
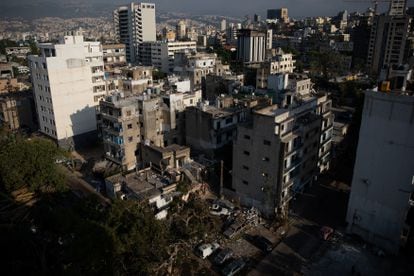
245 182
129 126
247 137
229 120
266 159
246 153
282 127
128 113
246 168
130 139
267 143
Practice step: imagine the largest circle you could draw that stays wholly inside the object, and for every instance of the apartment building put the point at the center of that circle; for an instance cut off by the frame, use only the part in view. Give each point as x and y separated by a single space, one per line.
381 204
388 39
276 153
68 82
197 66
17 111
278 14
131 122
280 63
135 24
160 54
136 80
209 128
114 56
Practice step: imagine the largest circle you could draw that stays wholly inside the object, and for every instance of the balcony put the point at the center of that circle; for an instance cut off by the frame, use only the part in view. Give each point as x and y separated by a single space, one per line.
112 130
293 165
117 158
114 140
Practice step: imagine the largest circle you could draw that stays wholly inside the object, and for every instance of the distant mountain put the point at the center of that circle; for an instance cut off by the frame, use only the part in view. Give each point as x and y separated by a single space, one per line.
58 8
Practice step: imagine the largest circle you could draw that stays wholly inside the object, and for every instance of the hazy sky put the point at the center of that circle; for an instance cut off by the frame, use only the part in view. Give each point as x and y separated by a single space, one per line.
297 8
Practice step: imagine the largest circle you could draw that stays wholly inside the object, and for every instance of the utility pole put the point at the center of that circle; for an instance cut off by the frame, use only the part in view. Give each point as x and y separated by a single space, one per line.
221 178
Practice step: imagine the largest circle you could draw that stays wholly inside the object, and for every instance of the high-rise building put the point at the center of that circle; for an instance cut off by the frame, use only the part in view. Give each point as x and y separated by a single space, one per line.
223 25
397 7
280 14
251 46
381 204
388 40
68 83
135 24
181 30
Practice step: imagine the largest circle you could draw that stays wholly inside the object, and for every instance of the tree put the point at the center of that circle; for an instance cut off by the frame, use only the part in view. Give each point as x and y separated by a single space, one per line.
29 164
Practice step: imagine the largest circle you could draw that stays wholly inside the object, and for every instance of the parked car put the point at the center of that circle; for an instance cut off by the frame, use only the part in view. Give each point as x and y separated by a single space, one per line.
326 233
218 210
223 256
263 243
205 250
233 267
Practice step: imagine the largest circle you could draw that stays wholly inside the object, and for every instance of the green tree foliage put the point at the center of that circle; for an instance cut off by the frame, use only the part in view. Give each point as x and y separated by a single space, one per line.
140 240
29 164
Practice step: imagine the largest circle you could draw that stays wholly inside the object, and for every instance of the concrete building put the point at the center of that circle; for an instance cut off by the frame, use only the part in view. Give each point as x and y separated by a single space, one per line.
19 52
197 66
209 128
251 46
387 41
17 111
114 56
281 15
127 122
382 193
136 80
160 54
135 24
397 7
280 63
162 159
68 82
276 153
181 30
131 122
223 25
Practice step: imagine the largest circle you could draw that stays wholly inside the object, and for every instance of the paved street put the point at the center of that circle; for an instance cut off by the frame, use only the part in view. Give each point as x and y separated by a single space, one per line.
323 204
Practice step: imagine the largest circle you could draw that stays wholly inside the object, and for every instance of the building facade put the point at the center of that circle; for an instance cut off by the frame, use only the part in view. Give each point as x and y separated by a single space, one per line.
160 54
277 154
387 41
251 46
135 24
382 193
67 84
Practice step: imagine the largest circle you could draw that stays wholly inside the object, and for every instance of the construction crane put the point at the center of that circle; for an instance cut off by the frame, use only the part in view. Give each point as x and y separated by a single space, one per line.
374 2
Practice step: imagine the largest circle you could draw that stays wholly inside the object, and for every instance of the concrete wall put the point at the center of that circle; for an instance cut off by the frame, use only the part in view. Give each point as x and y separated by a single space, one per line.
384 170
255 165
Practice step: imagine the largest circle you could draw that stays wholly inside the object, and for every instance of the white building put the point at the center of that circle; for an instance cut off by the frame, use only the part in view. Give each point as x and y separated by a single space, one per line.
160 54
223 25
382 185
68 83
251 46
135 24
